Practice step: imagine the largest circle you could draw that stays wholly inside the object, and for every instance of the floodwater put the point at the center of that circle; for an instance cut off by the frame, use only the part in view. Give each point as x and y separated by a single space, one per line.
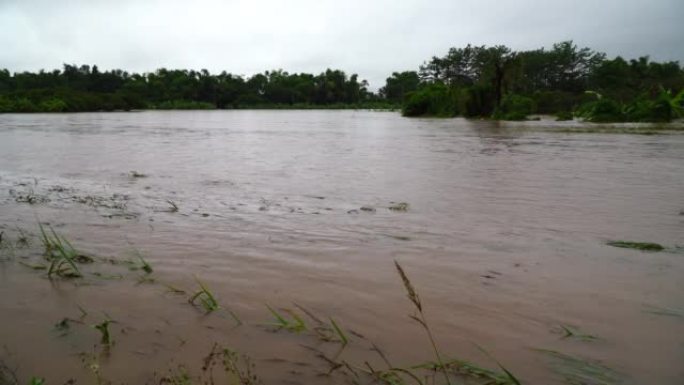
504 239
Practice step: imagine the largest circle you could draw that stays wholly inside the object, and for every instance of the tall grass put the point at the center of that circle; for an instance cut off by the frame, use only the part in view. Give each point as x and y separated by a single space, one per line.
420 318
61 254
205 298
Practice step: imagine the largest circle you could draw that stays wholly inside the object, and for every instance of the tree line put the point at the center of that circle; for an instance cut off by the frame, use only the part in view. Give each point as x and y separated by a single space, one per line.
568 81
86 88
472 81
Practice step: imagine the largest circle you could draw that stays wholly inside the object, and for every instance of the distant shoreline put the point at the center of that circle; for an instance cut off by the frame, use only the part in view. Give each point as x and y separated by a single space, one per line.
494 82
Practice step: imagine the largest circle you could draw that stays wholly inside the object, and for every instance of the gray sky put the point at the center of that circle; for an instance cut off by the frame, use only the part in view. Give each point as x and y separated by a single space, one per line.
370 37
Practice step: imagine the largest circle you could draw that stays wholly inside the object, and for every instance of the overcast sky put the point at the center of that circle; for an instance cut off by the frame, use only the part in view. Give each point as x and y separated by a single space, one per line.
370 37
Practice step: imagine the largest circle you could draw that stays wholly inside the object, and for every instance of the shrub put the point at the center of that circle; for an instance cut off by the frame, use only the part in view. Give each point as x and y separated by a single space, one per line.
53 105
24 105
514 107
6 105
431 100
603 110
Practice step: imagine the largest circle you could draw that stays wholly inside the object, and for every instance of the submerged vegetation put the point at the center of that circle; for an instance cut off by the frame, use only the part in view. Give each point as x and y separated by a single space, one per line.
580 371
318 331
643 246
473 81
205 298
238 368
61 255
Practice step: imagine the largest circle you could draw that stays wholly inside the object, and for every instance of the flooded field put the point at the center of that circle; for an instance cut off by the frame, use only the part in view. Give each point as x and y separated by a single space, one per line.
292 221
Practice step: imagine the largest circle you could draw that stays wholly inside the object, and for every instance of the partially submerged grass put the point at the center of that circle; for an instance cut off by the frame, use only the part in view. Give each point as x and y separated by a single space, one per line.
669 312
238 368
328 332
643 246
205 298
338 331
173 206
33 266
6 248
136 174
401 207
173 289
294 323
457 366
177 377
471 370
420 318
108 276
8 376
61 254
572 332
579 371
22 239
92 363
29 197
146 267
63 258
64 326
105 336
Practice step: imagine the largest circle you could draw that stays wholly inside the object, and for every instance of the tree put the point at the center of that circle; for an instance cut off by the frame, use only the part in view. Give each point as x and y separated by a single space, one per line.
399 84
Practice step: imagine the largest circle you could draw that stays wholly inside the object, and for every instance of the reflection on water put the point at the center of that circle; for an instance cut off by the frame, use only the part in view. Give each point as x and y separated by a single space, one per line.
504 234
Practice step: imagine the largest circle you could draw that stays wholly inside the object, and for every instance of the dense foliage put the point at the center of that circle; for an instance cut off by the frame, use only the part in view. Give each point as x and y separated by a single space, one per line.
474 81
85 88
480 81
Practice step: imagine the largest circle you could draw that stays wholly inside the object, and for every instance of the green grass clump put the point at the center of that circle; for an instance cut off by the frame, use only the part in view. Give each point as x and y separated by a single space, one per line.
294 324
105 336
643 246
471 370
61 254
328 332
146 267
205 298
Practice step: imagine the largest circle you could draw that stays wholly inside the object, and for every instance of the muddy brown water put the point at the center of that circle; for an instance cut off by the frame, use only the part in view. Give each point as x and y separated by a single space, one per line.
504 238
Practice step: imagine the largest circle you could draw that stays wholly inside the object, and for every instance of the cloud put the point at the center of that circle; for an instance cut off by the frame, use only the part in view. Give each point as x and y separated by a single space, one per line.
369 37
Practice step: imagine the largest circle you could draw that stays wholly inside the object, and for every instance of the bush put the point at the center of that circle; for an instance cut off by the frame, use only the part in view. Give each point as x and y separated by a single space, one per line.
514 107
53 105
24 105
603 110
476 100
432 100
6 105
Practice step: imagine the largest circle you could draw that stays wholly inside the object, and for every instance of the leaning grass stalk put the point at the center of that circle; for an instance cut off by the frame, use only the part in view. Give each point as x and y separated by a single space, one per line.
415 299
513 379
340 333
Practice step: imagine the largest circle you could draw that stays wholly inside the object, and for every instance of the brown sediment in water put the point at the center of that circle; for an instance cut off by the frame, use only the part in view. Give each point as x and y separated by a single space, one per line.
503 235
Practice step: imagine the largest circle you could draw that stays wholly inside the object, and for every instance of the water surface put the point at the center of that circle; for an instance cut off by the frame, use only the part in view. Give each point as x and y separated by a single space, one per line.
504 238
